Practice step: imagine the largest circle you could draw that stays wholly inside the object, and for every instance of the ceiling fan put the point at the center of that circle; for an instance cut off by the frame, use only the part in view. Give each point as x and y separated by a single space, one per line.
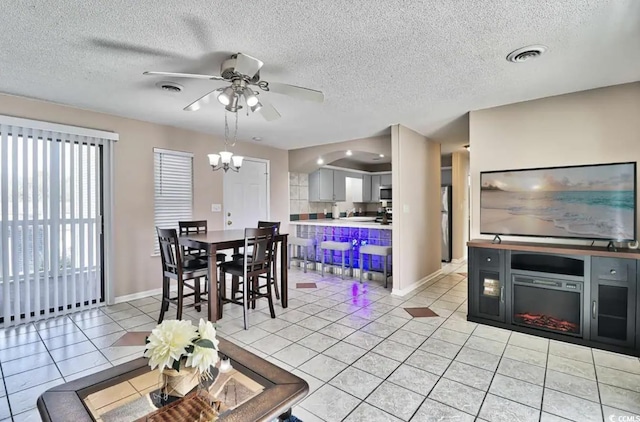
243 72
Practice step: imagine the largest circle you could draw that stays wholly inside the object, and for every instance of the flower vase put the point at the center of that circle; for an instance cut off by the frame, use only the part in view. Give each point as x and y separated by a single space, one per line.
180 383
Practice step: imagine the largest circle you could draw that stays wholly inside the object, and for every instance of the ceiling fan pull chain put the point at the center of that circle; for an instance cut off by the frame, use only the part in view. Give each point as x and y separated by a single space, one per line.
226 130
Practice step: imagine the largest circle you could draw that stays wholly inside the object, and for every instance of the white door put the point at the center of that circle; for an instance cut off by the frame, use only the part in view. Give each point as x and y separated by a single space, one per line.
246 195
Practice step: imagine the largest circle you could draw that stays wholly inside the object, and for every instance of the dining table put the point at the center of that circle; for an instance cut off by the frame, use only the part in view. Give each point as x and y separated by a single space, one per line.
219 240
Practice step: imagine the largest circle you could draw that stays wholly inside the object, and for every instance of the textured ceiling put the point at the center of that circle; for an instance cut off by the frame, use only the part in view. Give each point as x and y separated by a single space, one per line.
423 64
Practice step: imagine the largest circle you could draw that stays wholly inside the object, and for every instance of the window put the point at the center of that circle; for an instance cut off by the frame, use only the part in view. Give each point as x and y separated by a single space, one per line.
173 178
55 207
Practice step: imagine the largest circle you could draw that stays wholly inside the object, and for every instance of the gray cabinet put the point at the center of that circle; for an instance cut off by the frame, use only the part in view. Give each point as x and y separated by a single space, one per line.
487 283
326 185
385 179
366 188
321 186
613 305
339 186
375 188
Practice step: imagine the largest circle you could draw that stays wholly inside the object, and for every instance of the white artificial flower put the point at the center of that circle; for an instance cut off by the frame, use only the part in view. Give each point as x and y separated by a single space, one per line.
168 342
203 358
208 332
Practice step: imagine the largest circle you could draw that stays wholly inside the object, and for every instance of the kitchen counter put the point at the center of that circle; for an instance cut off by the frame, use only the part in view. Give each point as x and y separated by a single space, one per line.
343 223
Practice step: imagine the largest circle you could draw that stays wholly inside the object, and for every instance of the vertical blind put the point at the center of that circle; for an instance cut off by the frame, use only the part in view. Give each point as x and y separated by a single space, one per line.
51 210
173 179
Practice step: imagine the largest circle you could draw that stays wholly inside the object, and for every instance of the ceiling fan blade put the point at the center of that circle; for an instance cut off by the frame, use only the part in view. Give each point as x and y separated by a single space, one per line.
269 112
247 65
185 75
204 100
126 47
296 92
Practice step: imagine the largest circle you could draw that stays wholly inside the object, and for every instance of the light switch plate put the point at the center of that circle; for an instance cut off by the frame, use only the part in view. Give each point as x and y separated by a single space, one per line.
216 207
405 208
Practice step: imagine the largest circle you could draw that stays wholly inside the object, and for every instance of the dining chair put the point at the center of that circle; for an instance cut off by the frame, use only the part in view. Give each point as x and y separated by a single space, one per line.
197 227
256 261
275 225
175 267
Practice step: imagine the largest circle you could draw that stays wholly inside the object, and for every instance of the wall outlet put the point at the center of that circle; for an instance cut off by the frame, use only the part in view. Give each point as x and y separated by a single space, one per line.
216 207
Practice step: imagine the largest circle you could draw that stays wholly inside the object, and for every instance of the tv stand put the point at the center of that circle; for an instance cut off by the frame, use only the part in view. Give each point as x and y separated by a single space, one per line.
581 294
497 239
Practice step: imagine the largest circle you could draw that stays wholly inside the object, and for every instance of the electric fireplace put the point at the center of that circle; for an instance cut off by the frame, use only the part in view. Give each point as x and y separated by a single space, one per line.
547 304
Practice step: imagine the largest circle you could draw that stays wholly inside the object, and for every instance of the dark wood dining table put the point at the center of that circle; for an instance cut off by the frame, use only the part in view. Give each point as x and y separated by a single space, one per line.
219 240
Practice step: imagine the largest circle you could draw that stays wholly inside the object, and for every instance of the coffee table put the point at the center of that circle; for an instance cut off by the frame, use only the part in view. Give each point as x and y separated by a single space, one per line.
254 390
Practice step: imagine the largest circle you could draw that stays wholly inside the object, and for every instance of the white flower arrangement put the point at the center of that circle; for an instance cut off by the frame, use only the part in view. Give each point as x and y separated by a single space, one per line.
173 341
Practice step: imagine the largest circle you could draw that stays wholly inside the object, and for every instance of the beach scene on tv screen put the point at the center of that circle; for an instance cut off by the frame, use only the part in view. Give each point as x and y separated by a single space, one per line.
595 202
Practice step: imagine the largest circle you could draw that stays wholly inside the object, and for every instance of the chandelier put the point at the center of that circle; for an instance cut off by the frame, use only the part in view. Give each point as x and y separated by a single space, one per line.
225 160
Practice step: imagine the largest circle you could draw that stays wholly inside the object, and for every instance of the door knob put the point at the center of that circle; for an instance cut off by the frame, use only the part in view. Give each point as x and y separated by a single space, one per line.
229 223
613 272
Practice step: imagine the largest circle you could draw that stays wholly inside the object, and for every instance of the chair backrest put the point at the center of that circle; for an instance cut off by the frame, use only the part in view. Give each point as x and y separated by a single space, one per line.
192 227
274 224
170 250
258 248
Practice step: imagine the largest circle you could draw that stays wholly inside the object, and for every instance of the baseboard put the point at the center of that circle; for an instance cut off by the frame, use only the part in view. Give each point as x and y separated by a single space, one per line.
402 292
140 295
459 260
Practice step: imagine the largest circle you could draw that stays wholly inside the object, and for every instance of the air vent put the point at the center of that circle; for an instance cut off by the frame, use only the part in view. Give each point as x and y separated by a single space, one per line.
526 53
169 86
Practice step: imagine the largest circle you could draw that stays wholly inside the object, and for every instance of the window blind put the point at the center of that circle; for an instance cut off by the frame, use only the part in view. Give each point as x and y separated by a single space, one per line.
173 200
51 219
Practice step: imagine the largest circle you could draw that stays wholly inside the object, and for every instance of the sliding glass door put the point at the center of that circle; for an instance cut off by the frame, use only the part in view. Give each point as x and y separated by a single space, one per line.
51 226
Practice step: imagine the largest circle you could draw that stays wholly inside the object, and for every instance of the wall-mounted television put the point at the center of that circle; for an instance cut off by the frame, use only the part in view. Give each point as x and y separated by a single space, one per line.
595 202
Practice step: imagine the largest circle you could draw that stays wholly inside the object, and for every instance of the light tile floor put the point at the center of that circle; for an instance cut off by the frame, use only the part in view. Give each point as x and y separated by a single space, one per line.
363 356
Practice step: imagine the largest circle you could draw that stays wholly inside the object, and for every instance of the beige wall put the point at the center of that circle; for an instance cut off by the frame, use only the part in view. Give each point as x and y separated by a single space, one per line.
596 126
460 204
135 269
416 208
303 160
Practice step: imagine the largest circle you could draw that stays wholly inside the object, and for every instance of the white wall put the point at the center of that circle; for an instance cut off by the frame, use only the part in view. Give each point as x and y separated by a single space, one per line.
589 127
416 208
460 204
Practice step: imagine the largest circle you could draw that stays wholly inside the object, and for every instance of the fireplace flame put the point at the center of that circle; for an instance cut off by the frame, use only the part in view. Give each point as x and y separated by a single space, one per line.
546 321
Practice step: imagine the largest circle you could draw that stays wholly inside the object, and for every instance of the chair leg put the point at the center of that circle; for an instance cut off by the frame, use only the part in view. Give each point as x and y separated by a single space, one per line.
180 297
306 258
245 303
343 265
196 295
272 310
290 251
361 266
323 261
274 275
254 291
165 298
351 262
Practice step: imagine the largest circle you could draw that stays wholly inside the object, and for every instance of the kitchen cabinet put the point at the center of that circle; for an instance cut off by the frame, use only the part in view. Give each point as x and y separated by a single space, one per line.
613 306
385 180
339 186
366 188
375 188
327 185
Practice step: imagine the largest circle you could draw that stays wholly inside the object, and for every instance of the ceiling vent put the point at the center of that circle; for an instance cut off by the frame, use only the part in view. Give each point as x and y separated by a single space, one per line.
169 86
526 53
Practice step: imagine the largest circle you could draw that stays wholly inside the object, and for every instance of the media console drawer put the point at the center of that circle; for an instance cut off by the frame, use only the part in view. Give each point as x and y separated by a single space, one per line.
612 269
489 258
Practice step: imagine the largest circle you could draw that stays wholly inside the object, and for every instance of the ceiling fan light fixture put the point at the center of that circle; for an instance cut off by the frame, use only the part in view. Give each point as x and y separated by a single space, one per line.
226 96
250 97
349 153
256 107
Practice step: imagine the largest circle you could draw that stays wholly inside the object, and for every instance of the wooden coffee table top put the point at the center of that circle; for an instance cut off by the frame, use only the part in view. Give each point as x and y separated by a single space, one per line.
272 390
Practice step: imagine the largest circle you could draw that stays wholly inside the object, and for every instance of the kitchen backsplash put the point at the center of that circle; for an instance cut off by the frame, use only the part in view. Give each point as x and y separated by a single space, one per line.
301 209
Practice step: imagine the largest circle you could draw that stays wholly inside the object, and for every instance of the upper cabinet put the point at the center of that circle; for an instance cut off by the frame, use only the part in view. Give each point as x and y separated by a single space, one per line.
329 185
326 185
366 188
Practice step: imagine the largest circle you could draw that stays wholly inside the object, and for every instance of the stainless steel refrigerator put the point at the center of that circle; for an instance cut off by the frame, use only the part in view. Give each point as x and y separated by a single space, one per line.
445 222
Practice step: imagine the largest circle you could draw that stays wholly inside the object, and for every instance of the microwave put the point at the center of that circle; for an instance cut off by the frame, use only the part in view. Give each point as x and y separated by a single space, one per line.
385 193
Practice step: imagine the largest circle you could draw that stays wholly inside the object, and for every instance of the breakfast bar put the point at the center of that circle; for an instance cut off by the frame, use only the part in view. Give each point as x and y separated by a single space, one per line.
357 233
